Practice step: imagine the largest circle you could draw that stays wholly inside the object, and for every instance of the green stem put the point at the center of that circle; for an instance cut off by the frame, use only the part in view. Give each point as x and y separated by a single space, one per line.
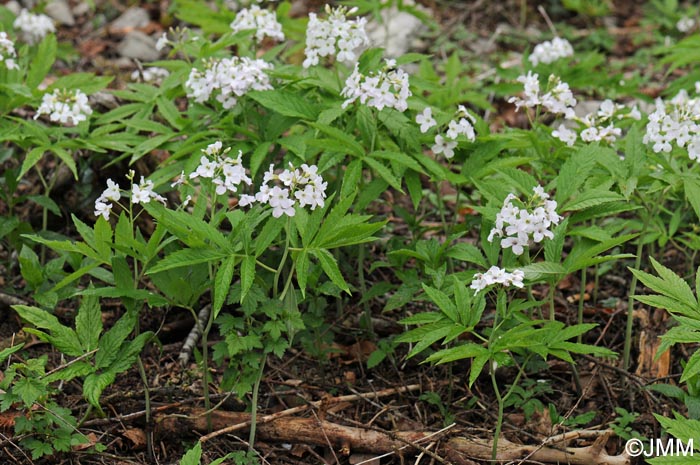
580 300
254 407
630 300
499 420
550 296
276 280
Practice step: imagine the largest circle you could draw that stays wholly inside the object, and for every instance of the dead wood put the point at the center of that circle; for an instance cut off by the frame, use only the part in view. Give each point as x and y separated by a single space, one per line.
458 449
312 431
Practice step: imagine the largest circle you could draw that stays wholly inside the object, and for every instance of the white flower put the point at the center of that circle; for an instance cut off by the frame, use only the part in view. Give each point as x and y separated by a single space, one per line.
179 181
386 88
675 122
162 42
559 100
303 185
548 52
227 79
32 28
153 75
426 120
112 192
444 147
334 34
225 172
66 107
7 51
565 135
685 24
264 22
143 192
516 226
102 208
496 275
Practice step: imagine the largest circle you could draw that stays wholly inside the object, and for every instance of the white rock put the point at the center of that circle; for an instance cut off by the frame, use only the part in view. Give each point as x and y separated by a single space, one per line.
81 9
133 18
396 33
138 45
14 7
60 11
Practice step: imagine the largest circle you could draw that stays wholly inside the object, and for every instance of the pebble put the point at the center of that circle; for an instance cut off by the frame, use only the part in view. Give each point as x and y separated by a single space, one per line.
131 19
139 46
60 11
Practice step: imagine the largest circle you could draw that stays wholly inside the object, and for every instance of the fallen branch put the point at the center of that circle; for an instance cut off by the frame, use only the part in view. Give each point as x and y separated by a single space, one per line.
595 454
8 300
345 439
324 402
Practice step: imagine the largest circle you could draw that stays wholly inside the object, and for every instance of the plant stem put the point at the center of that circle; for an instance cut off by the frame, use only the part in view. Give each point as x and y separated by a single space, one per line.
205 366
580 300
499 421
630 300
254 407
550 297
276 280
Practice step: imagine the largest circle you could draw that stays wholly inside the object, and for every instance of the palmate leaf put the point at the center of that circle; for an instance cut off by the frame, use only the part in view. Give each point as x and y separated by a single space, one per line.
676 295
61 337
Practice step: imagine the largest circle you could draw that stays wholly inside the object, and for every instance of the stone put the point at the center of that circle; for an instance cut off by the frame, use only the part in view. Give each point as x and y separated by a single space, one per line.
396 33
131 19
81 9
60 11
139 46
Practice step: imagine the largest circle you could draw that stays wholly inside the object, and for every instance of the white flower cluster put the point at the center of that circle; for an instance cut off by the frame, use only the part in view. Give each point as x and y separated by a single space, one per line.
336 33
264 22
558 100
518 225
685 24
306 187
386 88
7 51
676 121
496 275
153 75
32 28
225 172
551 51
228 78
140 193
460 125
64 106
599 125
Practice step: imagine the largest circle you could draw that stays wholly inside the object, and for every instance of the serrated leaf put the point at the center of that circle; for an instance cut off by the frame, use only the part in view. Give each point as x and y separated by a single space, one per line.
247 275
286 102
443 302
385 173
61 337
222 284
330 267
88 323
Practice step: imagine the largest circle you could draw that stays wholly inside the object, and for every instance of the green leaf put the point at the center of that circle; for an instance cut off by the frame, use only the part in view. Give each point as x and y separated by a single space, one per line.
348 142
538 270
443 302
385 173
95 384
267 236
400 158
42 62
29 390
110 342
46 202
222 284
301 264
193 456
553 248
459 352
247 275
286 102
88 323
351 178
574 172
692 368
467 253
330 267
61 337
187 257
591 198
31 159
30 267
